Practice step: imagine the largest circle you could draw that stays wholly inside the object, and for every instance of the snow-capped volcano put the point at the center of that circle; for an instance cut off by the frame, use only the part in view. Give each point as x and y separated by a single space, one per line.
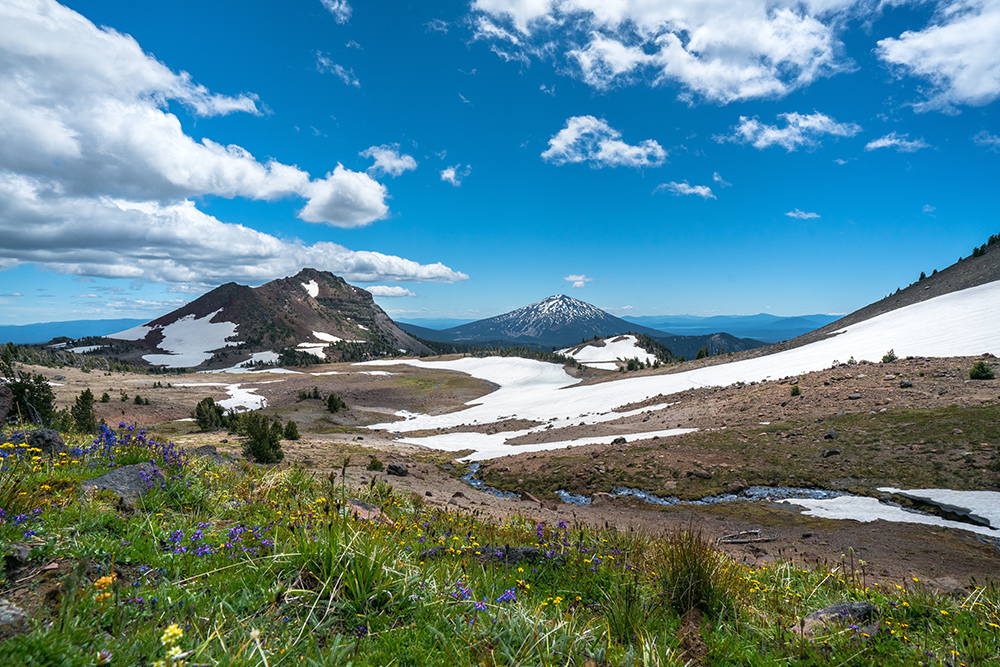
558 320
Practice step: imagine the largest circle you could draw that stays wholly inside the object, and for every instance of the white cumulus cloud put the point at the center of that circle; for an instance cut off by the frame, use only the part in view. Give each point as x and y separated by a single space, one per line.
592 140
579 281
97 176
388 160
390 291
799 130
901 142
802 215
957 53
718 50
685 188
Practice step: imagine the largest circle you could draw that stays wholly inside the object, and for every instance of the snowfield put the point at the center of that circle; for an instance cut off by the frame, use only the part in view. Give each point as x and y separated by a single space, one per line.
188 341
958 324
312 288
618 348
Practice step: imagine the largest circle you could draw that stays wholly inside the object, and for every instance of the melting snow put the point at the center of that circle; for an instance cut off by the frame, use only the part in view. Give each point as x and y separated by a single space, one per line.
956 324
188 341
983 506
614 349
312 287
85 348
867 510
135 333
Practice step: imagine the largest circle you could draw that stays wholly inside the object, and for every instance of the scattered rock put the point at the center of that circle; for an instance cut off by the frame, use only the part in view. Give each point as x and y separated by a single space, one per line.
530 498
458 494
209 451
13 620
368 512
942 392
957 431
827 453
830 435
6 401
853 397
618 441
47 440
738 485
600 498
127 482
452 501
398 469
905 384
845 613
17 557
698 472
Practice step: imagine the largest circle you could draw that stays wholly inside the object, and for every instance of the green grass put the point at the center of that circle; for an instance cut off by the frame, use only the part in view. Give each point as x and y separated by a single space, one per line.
270 567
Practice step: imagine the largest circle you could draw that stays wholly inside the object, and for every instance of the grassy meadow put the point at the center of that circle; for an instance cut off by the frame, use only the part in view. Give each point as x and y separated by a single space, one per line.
223 564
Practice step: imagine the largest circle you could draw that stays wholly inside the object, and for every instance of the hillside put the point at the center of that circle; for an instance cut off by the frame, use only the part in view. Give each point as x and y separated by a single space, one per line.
306 313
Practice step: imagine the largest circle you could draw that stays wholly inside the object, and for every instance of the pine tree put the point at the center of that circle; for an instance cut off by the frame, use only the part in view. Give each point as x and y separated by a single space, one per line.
84 417
292 431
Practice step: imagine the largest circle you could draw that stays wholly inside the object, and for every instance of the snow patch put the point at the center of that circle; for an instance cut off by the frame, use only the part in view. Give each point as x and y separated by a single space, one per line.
329 338
982 506
312 288
617 348
83 349
866 510
135 333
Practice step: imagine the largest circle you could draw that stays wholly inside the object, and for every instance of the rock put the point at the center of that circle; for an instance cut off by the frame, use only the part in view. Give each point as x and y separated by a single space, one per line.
957 431
18 557
368 512
516 555
209 451
942 392
204 450
600 498
398 469
853 397
428 494
530 498
452 502
699 473
827 453
845 613
127 482
738 485
47 440
6 401
618 441
905 384
458 494
830 435
13 620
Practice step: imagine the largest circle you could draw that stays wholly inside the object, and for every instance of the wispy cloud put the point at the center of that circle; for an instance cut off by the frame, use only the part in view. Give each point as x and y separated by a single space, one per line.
437 25
799 130
339 9
987 140
592 140
901 142
802 215
685 188
716 178
455 174
579 281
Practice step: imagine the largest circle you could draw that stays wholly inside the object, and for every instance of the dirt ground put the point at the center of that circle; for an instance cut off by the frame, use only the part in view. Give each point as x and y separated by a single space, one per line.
943 430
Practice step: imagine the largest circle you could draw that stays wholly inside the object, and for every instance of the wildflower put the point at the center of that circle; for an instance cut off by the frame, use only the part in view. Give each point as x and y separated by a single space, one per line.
104 582
171 635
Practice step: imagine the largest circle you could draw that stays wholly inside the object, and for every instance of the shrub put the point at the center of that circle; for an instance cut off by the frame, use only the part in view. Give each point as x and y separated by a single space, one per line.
334 403
292 431
981 371
84 418
889 357
375 465
261 438
795 390
138 399
105 398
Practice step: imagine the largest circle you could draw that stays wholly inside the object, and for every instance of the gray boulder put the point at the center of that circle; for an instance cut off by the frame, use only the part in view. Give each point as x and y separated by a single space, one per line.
127 482
845 613
398 469
47 440
13 620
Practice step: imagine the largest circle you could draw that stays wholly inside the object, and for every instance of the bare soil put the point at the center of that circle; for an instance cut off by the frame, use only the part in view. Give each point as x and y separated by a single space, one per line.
943 431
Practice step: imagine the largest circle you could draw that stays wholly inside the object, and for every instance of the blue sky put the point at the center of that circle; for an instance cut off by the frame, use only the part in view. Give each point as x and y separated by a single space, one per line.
462 159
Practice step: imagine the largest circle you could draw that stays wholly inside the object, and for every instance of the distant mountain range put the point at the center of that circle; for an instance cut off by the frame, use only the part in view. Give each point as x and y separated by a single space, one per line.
33 334
562 321
762 327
